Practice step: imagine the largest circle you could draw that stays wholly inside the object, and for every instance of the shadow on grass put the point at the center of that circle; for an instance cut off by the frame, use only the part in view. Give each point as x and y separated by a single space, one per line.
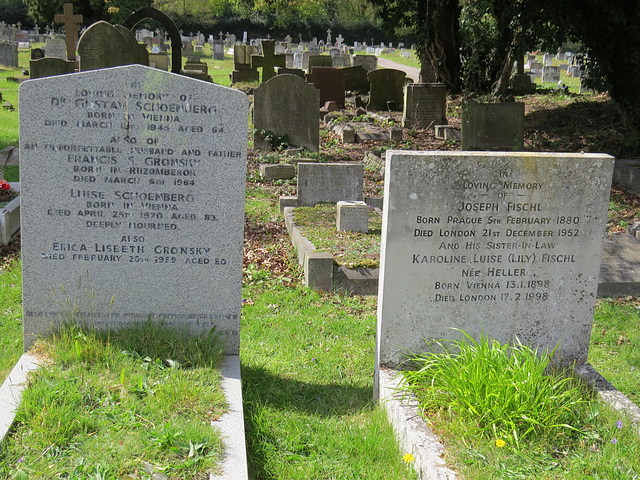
263 390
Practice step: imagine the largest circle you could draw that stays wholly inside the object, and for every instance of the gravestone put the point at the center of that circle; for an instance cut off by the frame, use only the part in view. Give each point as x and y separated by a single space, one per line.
37 53
522 84
342 60
319 61
329 182
242 71
50 67
356 79
425 105
286 105
332 85
368 62
146 222
386 89
218 49
298 72
103 45
507 244
551 74
492 126
268 60
56 48
8 54
70 22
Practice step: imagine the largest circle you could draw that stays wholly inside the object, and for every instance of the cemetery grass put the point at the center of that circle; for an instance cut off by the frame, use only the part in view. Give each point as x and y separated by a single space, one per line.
501 414
10 313
105 405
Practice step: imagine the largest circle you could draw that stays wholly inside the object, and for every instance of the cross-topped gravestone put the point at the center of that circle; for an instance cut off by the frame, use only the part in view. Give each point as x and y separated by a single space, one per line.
268 60
69 20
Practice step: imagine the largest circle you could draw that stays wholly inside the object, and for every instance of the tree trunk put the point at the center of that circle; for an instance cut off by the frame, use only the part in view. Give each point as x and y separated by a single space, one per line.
438 48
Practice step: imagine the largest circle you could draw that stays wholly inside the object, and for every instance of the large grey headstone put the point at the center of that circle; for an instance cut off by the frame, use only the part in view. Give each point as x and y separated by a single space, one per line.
132 188
8 53
56 48
505 243
287 105
329 182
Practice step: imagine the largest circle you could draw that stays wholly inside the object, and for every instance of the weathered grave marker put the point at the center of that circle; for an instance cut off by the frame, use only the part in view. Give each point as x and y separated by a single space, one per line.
49 67
492 126
329 182
132 188
268 60
386 91
287 106
331 82
505 243
425 105
103 45
70 22
9 53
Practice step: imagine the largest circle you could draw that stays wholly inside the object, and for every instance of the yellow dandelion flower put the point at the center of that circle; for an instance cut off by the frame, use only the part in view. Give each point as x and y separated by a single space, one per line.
500 443
408 458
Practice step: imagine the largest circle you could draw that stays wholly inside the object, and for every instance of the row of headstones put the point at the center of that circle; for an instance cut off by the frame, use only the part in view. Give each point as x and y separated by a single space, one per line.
506 244
247 59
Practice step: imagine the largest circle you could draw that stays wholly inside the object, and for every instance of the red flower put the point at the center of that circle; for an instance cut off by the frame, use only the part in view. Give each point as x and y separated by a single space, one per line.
4 185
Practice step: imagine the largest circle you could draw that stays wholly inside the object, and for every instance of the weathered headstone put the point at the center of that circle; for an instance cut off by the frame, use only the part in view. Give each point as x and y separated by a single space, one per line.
331 82
341 60
425 105
9 53
132 187
286 105
492 126
329 182
508 244
70 22
242 71
387 89
56 48
551 74
319 61
218 49
268 60
50 67
37 53
103 45
356 79
368 62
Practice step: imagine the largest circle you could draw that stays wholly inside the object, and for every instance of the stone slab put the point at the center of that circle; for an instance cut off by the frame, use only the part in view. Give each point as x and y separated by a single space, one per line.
12 389
329 182
147 219
281 171
507 243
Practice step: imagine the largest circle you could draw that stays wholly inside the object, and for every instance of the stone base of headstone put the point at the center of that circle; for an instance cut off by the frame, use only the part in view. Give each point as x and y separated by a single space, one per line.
395 134
318 271
287 201
245 76
493 126
346 133
197 74
280 171
352 217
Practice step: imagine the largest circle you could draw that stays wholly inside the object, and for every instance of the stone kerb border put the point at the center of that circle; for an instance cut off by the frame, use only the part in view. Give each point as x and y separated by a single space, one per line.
321 272
10 217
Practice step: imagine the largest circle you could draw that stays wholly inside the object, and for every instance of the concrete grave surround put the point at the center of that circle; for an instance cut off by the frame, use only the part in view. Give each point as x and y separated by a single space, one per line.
425 105
145 222
508 243
386 86
287 105
329 182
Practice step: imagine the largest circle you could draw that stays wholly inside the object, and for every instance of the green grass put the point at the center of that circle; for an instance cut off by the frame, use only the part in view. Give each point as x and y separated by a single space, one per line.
351 249
615 345
503 413
10 316
413 61
108 405
307 370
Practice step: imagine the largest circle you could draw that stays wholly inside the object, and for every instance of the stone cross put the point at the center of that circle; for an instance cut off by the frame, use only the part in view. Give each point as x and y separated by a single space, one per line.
19 25
268 60
329 36
69 20
221 34
339 40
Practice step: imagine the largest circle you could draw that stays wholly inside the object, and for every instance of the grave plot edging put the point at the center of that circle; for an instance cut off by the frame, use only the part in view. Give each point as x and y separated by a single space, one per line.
10 217
230 424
